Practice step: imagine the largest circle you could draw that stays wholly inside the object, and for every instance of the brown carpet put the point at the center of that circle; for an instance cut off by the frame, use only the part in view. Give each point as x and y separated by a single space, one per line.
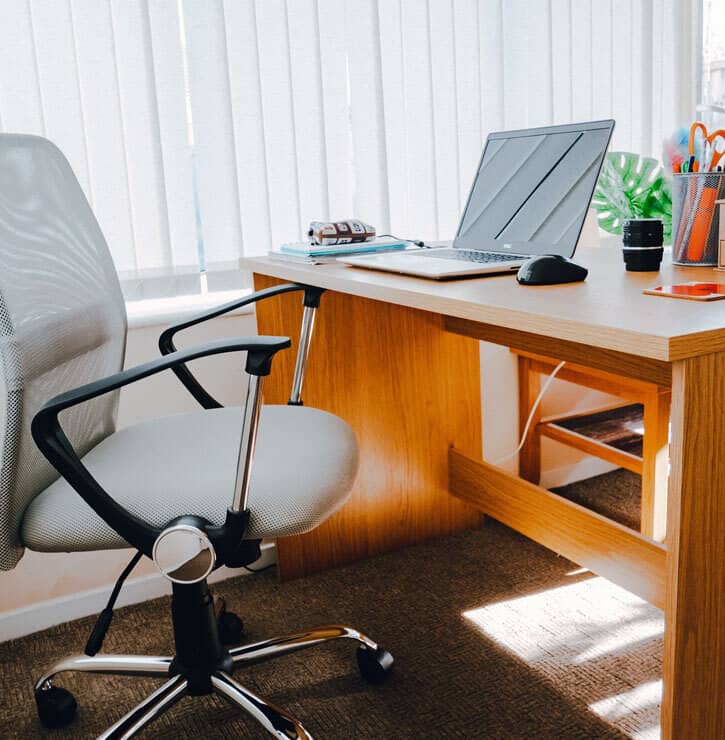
471 619
617 495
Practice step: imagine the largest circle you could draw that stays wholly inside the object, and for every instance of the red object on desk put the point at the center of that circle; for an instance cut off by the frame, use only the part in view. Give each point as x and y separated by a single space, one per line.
691 291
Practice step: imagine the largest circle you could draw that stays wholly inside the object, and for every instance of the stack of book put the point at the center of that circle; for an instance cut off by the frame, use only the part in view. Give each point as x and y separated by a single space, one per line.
318 254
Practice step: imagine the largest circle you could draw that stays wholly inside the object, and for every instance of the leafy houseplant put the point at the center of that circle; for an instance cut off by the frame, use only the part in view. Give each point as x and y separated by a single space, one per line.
632 186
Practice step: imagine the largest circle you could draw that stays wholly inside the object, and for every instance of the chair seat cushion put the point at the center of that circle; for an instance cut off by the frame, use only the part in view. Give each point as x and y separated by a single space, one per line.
304 467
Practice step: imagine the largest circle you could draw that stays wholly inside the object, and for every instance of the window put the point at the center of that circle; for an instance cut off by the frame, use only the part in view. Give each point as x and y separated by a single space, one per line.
712 107
202 131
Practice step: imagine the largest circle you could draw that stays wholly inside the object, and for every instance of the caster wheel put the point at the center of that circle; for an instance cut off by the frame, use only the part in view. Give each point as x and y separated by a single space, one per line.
56 706
231 628
375 665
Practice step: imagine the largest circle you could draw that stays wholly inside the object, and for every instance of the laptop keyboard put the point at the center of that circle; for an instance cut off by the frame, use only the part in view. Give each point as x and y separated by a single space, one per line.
472 255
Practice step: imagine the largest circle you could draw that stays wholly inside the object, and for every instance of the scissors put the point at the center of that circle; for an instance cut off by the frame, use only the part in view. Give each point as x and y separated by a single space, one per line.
693 136
710 153
717 155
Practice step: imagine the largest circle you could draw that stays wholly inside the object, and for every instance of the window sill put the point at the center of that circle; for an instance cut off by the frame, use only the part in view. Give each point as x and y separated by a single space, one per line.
165 311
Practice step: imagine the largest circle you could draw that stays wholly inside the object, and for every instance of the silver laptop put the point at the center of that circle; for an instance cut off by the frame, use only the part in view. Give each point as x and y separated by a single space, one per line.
529 197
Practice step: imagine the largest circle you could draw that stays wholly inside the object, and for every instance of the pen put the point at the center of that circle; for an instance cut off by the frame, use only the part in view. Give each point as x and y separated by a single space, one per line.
706 156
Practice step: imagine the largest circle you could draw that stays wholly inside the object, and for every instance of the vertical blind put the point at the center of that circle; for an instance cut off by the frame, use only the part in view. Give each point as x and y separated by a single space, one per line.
204 130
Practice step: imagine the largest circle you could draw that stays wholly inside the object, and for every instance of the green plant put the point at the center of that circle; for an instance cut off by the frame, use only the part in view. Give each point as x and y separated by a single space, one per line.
632 186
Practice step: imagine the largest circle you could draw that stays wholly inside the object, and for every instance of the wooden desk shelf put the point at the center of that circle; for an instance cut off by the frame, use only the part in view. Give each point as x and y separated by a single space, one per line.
618 429
587 438
605 433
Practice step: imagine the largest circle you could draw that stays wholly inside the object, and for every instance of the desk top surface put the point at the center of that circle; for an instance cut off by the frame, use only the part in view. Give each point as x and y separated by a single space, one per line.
608 311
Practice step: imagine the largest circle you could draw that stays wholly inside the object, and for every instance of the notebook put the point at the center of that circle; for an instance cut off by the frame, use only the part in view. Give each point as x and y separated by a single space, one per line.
305 249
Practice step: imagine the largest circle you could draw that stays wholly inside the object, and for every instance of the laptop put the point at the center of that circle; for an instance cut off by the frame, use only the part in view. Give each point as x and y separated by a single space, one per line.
530 197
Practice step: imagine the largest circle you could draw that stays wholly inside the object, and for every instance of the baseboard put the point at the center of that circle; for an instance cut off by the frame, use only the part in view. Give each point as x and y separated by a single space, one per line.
566 474
40 616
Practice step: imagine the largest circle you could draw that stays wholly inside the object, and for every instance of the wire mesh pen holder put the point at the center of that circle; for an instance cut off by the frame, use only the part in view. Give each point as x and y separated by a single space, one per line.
695 218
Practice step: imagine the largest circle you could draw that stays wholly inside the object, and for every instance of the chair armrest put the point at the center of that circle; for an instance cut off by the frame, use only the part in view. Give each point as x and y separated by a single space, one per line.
54 444
182 372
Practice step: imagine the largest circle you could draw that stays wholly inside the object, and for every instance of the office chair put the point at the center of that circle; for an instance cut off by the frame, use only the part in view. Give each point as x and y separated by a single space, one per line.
192 491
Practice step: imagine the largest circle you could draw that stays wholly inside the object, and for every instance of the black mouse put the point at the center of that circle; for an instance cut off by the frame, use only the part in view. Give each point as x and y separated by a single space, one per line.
550 269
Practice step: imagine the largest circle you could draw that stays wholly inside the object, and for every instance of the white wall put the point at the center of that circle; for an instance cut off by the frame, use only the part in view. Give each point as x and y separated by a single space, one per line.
499 399
58 579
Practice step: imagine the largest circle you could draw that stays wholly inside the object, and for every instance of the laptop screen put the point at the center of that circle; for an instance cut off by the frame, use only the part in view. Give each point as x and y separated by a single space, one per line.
532 189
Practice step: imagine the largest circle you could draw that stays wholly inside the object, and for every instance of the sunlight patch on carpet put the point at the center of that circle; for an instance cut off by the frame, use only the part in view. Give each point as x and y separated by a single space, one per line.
597 642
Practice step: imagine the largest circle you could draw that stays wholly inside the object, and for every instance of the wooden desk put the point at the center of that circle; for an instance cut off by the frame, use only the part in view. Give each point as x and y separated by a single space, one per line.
394 356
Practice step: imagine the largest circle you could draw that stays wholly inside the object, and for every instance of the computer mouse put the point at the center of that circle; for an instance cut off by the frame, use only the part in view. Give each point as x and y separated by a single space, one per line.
550 269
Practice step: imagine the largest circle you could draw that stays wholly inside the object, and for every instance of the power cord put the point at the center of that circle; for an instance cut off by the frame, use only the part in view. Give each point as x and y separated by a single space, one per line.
103 622
259 570
534 406
417 242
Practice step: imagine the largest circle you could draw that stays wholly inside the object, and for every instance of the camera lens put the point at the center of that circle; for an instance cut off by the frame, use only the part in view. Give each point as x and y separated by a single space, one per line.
642 244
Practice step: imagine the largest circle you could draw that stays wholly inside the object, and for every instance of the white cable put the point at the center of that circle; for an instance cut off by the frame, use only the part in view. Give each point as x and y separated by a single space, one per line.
535 406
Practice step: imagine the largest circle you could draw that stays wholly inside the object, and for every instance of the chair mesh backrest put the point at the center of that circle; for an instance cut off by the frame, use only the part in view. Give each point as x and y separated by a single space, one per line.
62 319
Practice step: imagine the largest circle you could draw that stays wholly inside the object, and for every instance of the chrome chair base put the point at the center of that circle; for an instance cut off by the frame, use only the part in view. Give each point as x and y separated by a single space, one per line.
374 663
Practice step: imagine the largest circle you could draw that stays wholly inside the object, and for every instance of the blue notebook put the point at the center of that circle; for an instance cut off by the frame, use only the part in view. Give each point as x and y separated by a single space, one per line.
305 249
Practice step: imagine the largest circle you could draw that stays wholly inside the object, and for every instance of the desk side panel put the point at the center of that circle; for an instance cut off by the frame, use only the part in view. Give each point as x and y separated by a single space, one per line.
410 390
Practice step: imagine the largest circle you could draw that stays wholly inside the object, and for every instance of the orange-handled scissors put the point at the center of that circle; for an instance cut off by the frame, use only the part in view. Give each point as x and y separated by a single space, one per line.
717 155
693 133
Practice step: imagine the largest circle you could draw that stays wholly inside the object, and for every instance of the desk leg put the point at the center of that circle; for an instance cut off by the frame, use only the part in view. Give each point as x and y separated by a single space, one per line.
655 461
410 390
694 661
529 387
